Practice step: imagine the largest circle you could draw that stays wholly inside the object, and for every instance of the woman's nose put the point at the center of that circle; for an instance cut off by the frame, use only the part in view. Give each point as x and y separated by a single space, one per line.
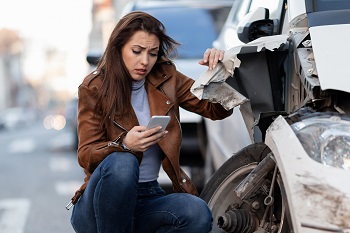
144 60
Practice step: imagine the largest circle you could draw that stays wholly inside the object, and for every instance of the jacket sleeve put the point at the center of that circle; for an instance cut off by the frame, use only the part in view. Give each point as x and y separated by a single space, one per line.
190 102
93 143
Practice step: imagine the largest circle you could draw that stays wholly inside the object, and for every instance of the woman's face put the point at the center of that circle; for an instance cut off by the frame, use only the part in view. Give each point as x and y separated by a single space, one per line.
140 54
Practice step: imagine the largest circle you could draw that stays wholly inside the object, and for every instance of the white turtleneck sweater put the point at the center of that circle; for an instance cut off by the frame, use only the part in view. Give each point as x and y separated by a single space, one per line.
150 165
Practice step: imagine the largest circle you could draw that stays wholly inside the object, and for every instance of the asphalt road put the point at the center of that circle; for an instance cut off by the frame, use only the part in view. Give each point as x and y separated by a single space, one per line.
38 176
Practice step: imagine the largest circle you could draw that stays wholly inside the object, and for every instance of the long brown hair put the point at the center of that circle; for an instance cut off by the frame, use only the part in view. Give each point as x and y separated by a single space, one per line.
116 89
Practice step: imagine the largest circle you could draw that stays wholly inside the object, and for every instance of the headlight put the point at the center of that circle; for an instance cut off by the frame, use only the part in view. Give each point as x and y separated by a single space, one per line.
326 139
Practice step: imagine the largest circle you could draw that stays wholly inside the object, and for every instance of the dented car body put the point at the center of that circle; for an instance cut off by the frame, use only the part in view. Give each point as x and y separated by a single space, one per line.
291 85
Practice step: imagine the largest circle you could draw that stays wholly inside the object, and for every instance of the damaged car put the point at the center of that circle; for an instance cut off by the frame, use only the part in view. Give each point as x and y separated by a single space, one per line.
286 169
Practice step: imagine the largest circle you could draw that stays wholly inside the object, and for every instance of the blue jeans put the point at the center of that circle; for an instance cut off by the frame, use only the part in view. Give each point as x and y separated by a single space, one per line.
114 202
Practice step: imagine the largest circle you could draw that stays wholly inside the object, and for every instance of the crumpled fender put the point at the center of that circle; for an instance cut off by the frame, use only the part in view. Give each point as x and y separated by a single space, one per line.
318 196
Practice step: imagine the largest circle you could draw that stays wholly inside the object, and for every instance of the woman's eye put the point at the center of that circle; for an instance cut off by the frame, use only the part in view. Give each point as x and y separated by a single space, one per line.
136 52
153 54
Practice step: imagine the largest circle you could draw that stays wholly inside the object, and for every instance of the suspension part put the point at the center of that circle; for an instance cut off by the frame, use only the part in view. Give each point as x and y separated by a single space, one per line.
256 178
237 221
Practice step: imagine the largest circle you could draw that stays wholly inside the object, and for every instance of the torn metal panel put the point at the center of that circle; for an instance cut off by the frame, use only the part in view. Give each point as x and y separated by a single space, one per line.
203 87
211 85
221 92
270 42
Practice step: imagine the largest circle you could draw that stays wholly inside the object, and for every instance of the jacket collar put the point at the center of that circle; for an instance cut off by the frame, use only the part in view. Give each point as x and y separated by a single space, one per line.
159 102
158 76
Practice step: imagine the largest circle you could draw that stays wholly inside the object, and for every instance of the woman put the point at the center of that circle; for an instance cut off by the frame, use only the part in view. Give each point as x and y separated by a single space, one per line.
135 80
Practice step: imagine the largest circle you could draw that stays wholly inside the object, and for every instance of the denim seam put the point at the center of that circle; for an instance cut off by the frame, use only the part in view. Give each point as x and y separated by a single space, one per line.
163 211
97 194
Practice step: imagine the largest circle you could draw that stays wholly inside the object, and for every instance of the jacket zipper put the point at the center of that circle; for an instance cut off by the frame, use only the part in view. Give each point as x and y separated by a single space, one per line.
115 142
120 125
179 182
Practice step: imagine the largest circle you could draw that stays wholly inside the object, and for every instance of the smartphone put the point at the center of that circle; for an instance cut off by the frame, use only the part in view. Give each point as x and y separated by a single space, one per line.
158 121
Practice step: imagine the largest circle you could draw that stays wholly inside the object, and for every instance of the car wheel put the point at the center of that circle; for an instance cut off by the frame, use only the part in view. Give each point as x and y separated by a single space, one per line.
218 191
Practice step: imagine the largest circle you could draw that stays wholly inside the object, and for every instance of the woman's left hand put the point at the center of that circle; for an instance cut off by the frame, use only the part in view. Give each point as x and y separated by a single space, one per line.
211 58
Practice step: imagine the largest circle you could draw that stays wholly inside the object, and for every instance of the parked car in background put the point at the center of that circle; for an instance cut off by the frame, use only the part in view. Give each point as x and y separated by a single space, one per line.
14 117
195 25
71 115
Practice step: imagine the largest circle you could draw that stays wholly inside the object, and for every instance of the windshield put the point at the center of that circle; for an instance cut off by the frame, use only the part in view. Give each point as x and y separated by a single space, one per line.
194 28
329 5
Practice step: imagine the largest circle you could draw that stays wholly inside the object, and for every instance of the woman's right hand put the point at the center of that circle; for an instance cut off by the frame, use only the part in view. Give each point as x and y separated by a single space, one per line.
140 139
212 57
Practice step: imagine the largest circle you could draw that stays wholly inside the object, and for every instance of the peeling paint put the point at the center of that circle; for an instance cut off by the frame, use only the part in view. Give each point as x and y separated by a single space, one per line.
223 93
331 202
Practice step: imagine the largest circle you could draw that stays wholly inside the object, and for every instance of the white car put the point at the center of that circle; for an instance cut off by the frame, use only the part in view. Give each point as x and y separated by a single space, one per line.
289 79
221 146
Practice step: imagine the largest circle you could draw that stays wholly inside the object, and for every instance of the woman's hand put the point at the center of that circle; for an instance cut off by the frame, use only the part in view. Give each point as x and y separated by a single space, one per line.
140 139
212 57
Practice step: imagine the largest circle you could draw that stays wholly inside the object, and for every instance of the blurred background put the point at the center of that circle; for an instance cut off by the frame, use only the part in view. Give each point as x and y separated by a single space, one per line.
44 50
43 47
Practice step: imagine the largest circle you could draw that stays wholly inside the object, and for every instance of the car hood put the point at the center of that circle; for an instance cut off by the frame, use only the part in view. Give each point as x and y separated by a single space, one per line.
331 49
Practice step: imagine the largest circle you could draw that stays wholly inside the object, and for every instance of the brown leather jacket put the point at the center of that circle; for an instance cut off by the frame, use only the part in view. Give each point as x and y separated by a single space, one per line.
166 92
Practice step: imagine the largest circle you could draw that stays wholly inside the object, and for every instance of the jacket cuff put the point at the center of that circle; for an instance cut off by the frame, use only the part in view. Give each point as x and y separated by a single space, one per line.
118 142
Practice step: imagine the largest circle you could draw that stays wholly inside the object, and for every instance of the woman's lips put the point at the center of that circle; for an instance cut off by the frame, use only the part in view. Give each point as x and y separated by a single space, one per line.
141 71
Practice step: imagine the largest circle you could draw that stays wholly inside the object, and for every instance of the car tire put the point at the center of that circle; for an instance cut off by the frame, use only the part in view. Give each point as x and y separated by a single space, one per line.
218 191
